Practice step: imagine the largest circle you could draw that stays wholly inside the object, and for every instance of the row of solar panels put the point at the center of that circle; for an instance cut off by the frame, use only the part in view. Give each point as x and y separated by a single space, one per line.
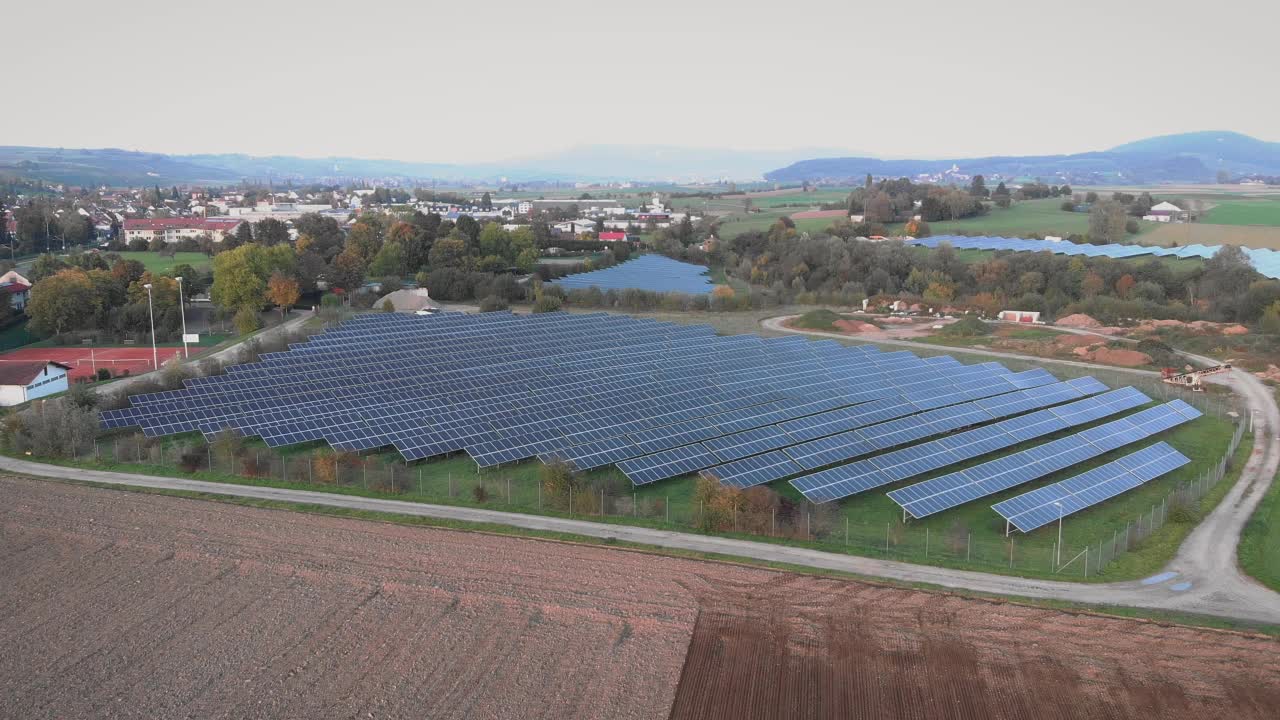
1266 262
655 273
657 399
308 397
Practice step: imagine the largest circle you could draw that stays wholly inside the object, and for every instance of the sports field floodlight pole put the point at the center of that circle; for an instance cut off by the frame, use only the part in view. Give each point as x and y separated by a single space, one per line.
1058 560
155 355
183 311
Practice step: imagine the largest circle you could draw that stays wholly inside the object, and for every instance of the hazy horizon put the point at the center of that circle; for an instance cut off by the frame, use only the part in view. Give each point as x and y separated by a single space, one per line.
454 84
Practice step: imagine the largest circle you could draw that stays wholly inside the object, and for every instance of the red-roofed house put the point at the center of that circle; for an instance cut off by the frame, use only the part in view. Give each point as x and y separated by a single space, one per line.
613 237
173 230
16 288
23 380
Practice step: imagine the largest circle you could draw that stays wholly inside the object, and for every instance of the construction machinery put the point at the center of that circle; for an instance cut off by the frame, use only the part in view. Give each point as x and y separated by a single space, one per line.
1190 377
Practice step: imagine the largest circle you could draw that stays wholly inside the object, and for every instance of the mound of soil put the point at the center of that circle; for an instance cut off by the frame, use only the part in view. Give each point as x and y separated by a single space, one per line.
1079 320
855 326
1271 373
1114 356
1235 330
892 320
1075 341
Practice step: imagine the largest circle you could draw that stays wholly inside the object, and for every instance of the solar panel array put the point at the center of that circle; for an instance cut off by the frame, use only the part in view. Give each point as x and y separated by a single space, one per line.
1266 262
957 488
899 465
656 399
1044 505
656 273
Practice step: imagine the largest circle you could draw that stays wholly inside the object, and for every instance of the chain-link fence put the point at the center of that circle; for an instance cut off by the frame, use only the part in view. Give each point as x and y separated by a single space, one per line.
757 512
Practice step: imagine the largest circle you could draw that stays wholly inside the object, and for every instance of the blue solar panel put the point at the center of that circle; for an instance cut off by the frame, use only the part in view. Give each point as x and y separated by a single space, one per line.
954 489
754 470
1045 505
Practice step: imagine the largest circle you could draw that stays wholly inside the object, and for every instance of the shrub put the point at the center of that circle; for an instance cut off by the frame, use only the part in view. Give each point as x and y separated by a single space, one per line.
82 396
246 321
103 374
480 494
546 303
968 326
492 303
388 306
54 429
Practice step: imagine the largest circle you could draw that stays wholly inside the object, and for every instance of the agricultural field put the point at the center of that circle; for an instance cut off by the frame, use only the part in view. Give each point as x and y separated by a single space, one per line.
151 606
128 605
1244 212
1182 234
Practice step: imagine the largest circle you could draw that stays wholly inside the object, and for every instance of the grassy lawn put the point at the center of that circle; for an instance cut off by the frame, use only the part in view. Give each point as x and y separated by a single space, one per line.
1260 544
1259 211
156 263
1028 217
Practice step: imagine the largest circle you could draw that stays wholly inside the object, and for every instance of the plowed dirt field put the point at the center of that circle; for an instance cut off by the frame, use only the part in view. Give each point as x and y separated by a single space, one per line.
115 604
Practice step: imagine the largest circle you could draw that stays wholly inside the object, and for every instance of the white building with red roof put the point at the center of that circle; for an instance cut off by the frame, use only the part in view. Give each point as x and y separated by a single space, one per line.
173 230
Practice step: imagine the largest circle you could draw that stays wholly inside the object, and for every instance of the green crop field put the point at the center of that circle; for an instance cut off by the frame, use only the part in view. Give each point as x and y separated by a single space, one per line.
156 263
1244 212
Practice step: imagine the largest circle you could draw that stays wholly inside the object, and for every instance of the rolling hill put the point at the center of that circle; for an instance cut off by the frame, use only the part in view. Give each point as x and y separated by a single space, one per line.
1188 157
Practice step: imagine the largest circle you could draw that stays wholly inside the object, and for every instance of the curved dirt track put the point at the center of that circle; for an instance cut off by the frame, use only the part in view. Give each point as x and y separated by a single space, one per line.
134 605
1207 559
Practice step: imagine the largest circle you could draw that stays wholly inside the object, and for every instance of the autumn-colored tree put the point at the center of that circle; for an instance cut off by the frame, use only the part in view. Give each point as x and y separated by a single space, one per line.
1092 285
991 274
282 291
722 292
1124 285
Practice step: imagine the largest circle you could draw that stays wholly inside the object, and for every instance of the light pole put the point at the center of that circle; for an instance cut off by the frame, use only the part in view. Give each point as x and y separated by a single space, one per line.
155 355
183 311
1058 560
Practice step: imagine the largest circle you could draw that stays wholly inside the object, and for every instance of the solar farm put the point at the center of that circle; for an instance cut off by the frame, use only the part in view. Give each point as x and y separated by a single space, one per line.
655 273
1266 262
661 400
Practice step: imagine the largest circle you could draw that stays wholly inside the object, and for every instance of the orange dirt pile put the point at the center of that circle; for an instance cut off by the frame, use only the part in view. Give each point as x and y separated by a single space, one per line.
1079 320
855 326
1114 356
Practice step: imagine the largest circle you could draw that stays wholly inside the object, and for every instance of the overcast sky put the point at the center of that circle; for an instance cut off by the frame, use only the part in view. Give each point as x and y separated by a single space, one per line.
469 82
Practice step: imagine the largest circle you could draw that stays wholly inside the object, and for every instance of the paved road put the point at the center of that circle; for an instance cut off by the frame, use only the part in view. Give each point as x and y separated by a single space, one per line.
1207 559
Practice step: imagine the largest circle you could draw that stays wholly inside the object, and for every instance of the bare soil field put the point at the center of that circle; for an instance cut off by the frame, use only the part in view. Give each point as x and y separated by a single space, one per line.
115 604
804 647
1184 234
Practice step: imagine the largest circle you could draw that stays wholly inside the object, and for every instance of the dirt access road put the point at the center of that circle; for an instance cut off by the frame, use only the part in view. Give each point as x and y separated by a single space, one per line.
134 605
1207 558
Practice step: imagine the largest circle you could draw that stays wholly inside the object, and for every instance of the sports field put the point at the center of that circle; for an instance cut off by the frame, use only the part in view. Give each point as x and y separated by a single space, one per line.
157 263
85 361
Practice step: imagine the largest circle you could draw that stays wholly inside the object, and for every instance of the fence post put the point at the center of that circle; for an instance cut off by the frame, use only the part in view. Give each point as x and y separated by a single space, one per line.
846 531
968 548
570 501
773 522
926 543
1010 553
508 489
450 485
886 538
667 504
601 502
310 461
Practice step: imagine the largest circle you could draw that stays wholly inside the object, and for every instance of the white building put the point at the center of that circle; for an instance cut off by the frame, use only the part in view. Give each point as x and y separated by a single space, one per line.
1163 212
173 230
21 381
17 288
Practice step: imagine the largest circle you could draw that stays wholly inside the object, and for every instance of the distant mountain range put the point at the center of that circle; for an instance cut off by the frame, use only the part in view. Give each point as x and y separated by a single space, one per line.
592 163
1188 157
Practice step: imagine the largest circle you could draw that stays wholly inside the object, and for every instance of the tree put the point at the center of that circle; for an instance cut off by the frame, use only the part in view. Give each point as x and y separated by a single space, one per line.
879 208
450 252
58 302
240 276
1270 321
363 240
1124 285
1106 223
283 292
486 201
347 271
978 187
270 232
388 261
